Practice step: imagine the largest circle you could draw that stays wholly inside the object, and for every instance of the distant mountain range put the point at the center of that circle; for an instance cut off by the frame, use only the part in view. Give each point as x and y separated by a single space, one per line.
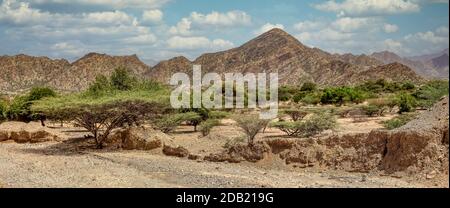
273 51
429 66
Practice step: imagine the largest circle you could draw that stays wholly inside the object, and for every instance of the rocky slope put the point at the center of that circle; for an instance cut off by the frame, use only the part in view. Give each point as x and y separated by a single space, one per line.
273 51
277 51
432 66
21 72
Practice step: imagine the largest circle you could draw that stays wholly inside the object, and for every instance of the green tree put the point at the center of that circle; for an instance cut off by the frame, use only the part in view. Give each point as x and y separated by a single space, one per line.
122 80
309 87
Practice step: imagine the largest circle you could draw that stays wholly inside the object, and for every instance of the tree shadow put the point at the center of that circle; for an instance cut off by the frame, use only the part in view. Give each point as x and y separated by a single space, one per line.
71 147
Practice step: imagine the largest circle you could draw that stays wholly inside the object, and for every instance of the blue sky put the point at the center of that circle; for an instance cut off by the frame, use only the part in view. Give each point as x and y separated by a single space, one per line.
161 29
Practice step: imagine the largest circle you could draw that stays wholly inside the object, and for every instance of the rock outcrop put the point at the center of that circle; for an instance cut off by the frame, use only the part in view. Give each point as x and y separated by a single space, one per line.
146 138
295 63
421 146
31 132
21 72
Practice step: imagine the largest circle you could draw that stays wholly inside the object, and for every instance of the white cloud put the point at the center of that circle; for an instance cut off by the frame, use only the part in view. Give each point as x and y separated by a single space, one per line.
183 27
19 13
308 25
369 7
349 24
442 31
390 28
152 16
114 4
267 27
193 43
304 37
394 46
212 20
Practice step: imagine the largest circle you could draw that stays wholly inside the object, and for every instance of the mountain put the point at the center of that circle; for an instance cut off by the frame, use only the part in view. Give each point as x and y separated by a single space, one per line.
21 72
431 66
427 57
273 51
277 51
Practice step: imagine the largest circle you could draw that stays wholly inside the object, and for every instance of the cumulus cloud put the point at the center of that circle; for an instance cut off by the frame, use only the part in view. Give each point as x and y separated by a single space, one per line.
308 25
193 43
350 24
267 27
419 43
152 16
390 28
369 7
212 20
114 4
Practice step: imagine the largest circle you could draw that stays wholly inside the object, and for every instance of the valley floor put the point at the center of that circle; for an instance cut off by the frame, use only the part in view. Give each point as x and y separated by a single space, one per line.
40 165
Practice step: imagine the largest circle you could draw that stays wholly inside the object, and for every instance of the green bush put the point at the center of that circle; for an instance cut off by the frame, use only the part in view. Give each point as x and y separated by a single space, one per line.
341 95
3 109
169 123
312 98
308 87
399 121
309 127
408 86
206 126
251 125
107 109
20 107
373 110
405 102
295 114
431 92
383 86
122 80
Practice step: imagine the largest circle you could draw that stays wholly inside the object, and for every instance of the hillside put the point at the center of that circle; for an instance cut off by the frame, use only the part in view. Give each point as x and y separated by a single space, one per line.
21 72
273 51
277 51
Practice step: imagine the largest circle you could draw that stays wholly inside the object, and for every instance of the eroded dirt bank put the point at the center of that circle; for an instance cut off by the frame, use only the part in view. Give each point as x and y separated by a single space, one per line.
45 165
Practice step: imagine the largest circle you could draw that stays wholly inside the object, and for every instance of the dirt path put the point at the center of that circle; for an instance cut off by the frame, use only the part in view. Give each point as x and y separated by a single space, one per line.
39 165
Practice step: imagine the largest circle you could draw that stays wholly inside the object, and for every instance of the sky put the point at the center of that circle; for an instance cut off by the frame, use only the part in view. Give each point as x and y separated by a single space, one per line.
161 29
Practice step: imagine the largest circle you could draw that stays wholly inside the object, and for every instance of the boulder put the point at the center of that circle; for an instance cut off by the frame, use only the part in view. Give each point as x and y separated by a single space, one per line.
175 151
139 138
4 135
31 132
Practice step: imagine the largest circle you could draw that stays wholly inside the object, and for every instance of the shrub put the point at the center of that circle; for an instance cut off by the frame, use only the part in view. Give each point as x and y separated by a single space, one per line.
399 121
405 102
234 142
341 95
169 123
122 80
218 114
206 126
251 125
101 114
431 92
310 127
284 93
20 107
309 87
295 114
3 109
100 85
408 86
373 110
312 98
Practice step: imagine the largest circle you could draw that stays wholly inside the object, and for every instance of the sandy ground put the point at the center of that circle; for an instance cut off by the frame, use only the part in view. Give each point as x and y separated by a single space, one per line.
65 164
40 165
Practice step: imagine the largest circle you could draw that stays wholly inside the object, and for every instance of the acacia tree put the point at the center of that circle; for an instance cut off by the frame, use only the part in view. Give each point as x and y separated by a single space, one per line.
108 104
251 125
